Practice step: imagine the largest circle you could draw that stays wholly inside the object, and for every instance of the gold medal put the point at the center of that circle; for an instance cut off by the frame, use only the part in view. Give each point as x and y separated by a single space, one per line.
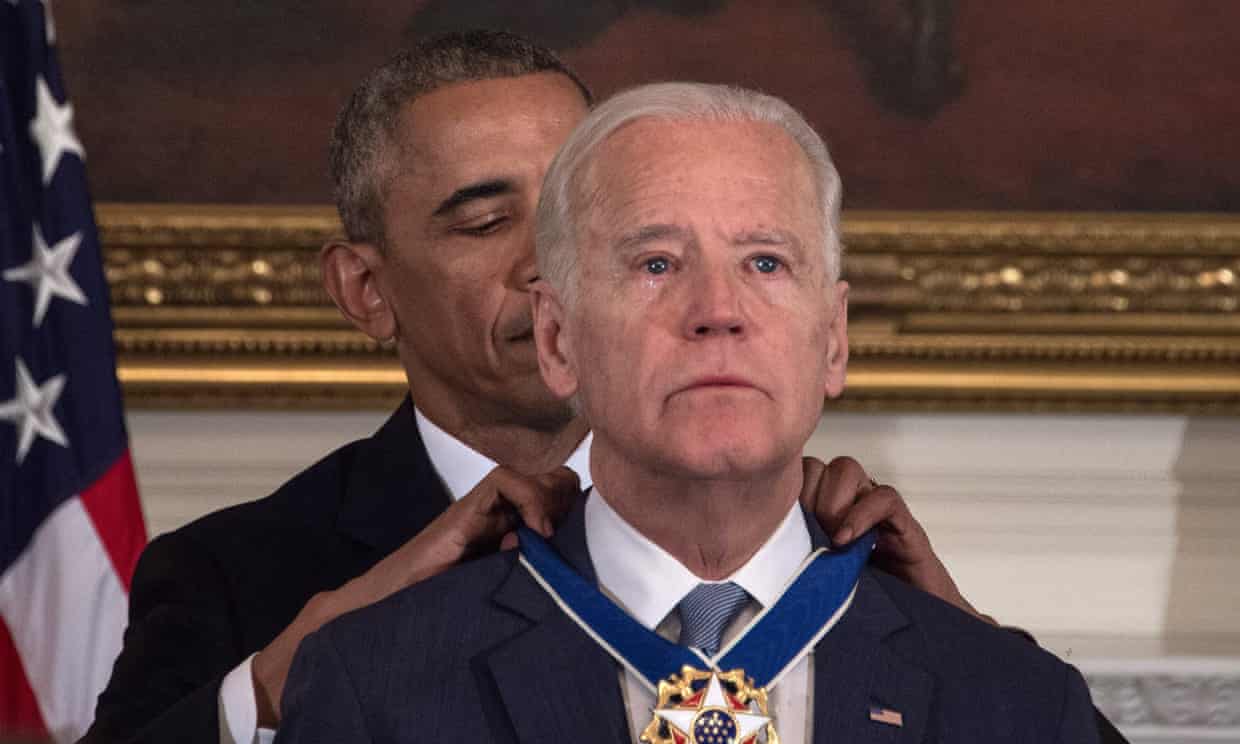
727 709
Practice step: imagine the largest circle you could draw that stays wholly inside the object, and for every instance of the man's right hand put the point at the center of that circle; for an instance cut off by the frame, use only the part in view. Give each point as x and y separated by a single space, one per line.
847 503
484 519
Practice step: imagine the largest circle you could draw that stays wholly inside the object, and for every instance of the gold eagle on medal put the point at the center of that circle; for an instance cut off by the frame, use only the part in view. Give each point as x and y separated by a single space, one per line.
711 707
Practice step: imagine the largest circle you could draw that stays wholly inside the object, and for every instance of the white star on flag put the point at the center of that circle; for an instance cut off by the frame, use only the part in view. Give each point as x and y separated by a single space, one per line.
747 724
52 130
48 272
31 409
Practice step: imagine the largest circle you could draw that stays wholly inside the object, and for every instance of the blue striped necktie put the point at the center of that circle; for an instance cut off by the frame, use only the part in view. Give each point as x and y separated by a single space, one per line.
706 611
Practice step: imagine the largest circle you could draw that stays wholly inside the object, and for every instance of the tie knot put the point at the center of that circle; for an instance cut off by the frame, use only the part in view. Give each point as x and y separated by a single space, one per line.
706 611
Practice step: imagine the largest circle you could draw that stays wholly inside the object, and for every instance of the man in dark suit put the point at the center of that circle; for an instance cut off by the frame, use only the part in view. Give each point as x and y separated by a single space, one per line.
690 305
437 159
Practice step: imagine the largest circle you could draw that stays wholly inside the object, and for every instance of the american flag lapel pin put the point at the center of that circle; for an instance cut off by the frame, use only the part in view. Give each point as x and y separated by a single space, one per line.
886 715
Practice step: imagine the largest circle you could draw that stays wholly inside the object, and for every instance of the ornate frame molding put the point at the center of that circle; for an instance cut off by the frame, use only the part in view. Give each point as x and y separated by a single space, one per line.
1180 699
220 306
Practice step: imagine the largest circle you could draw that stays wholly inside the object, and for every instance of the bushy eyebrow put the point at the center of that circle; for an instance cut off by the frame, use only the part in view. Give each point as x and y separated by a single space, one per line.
650 234
666 231
765 237
473 192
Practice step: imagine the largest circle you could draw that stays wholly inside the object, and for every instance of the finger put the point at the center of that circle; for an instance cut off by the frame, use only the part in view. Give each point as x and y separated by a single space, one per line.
473 525
562 482
484 514
543 500
565 488
813 470
535 500
509 541
873 508
902 537
843 483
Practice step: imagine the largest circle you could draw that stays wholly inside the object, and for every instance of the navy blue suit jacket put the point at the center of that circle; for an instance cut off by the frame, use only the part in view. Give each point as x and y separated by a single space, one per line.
482 654
215 591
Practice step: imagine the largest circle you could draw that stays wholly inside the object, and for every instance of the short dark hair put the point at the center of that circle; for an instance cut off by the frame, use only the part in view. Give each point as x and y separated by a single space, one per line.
365 127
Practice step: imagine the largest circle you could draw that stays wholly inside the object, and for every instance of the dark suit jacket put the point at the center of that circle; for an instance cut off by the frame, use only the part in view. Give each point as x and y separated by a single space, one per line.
482 654
210 594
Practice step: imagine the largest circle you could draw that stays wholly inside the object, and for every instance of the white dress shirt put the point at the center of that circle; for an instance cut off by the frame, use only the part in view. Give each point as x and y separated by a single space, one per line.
649 583
460 468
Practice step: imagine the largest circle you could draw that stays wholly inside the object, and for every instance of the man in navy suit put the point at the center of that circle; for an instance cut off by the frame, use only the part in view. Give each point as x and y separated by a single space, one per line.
689 305
437 159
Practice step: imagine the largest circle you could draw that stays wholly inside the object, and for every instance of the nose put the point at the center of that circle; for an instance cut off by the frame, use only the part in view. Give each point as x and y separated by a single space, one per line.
715 305
527 270
525 265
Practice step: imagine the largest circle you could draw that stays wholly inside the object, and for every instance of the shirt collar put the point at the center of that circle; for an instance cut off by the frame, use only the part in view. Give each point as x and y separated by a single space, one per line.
461 467
648 582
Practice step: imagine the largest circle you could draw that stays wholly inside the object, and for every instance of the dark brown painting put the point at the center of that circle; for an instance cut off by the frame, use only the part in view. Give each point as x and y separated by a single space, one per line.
927 104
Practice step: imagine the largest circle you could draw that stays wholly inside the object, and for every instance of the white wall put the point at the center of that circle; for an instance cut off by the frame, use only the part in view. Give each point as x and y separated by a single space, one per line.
1114 539
1098 533
192 463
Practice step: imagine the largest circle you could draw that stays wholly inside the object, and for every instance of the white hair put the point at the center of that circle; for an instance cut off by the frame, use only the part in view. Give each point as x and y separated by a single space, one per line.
558 207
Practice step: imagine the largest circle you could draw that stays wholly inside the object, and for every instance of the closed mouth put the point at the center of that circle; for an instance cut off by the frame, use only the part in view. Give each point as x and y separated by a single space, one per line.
719 381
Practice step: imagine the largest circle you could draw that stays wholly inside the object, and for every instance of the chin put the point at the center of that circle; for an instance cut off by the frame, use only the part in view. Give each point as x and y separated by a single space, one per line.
727 459
534 407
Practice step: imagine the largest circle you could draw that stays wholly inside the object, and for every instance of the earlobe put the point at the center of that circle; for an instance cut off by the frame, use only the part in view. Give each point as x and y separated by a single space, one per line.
837 341
555 353
350 276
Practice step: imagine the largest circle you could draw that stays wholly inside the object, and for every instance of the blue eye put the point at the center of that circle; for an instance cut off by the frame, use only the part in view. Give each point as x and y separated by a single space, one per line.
767 264
657 265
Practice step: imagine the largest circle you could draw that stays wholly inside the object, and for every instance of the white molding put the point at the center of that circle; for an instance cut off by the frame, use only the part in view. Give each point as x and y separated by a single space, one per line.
1168 699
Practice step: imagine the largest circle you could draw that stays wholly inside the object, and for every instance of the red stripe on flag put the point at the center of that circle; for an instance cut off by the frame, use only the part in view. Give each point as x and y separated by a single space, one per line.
112 503
19 711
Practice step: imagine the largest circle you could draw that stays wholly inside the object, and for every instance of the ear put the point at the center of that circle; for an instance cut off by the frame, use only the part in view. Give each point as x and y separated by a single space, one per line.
837 340
555 353
350 276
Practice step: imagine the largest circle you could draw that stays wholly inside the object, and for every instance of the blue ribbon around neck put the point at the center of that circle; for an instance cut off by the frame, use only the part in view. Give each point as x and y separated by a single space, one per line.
774 641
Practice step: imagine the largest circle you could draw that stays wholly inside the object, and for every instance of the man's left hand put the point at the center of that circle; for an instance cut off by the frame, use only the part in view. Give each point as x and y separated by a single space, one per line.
847 503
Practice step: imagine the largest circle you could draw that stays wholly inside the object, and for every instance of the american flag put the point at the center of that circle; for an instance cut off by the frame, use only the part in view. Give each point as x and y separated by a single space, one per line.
70 523
886 715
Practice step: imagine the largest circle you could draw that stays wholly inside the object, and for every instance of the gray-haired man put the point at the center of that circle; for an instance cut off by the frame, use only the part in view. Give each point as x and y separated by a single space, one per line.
690 305
438 159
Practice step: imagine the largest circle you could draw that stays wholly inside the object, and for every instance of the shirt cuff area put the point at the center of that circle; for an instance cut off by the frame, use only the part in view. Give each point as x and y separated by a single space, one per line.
239 708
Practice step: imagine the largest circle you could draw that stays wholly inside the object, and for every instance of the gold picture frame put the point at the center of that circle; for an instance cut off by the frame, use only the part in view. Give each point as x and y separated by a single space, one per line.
221 307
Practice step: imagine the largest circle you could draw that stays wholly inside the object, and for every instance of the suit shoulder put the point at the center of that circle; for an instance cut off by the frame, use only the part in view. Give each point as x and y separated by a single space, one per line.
961 644
454 601
289 522
312 495
465 587
988 680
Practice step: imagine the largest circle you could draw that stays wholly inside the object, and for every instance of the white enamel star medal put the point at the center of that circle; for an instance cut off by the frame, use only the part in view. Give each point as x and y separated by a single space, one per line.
727 709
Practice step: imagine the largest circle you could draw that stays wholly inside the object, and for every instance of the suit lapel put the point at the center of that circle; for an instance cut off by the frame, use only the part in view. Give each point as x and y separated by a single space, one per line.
392 492
556 684
854 670
554 681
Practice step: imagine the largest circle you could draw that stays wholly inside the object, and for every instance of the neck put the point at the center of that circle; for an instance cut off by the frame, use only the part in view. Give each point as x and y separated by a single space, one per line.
525 450
528 445
712 526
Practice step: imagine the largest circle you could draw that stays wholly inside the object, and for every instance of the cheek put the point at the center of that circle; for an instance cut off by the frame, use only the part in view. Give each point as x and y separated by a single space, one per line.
799 355
451 318
612 362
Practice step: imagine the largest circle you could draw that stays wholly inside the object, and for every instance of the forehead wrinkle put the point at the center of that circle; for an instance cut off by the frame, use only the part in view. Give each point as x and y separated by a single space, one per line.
651 187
